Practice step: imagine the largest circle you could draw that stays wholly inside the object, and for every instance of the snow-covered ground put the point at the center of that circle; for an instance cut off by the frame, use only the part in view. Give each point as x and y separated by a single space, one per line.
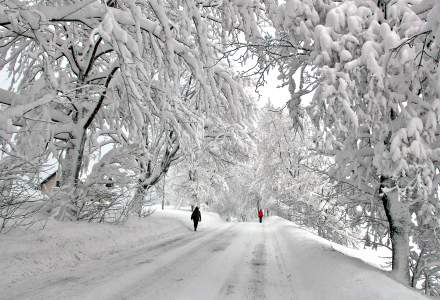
160 257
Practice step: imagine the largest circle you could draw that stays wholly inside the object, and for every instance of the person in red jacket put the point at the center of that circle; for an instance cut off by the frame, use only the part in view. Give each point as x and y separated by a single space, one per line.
260 215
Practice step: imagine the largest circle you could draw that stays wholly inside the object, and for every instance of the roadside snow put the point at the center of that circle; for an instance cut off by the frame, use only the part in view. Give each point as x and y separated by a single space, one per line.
325 270
380 258
63 245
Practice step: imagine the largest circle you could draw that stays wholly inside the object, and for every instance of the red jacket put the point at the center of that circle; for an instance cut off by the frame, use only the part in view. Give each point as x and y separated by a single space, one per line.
260 213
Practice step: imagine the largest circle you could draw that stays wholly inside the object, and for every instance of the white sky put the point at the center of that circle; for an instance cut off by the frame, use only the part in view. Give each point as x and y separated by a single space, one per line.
278 96
4 81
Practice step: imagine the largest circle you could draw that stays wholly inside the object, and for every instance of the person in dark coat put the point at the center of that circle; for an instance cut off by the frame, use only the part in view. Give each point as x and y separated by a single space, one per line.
196 217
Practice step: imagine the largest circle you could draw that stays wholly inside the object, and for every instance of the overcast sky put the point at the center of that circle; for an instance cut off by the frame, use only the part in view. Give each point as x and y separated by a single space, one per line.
278 96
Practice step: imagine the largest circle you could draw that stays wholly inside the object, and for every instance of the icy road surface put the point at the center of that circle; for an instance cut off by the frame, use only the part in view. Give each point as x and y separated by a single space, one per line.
273 260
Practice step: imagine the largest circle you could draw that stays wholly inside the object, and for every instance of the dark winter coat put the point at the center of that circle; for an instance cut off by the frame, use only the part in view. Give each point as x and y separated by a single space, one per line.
196 216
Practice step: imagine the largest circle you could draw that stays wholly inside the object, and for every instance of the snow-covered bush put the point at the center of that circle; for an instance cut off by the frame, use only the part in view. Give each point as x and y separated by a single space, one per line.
20 198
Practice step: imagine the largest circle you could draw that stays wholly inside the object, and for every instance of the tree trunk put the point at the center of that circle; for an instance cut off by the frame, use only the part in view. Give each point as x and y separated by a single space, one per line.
427 288
79 158
70 171
77 206
163 195
66 167
398 217
416 272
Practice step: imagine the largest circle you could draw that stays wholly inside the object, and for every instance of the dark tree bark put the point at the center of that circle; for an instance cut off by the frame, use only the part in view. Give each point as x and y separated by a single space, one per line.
398 219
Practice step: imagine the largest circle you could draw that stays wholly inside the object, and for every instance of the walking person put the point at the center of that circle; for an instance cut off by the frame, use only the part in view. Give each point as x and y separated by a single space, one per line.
196 217
260 215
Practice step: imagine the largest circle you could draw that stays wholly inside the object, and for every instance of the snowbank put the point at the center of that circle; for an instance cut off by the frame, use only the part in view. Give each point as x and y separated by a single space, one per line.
338 270
63 245
380 258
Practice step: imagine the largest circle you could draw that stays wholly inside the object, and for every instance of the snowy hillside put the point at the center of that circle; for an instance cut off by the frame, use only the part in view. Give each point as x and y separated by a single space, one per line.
161 257
61 246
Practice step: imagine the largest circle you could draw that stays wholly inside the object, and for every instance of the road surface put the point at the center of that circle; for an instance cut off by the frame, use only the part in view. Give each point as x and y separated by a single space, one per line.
273 260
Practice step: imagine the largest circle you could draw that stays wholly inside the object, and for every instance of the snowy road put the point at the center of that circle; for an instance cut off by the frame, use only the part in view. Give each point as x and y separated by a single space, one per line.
273 260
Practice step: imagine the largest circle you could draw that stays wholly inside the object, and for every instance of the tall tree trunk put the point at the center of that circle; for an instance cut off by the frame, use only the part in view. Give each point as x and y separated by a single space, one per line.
138 200
427 287
163 192
70 171
77 206
68 162
79 158
398 217
416 272
66 177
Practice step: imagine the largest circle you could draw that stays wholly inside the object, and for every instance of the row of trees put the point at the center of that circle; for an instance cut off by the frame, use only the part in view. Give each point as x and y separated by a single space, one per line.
109 95
372 68
296 178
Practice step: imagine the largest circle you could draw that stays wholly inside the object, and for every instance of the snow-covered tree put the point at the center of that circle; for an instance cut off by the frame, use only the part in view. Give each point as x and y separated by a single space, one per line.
373 64
206 174
293 178
139 75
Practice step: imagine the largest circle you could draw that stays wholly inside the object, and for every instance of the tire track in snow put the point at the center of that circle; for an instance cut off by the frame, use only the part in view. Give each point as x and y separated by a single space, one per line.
279 276
173 275
235 285
258 264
